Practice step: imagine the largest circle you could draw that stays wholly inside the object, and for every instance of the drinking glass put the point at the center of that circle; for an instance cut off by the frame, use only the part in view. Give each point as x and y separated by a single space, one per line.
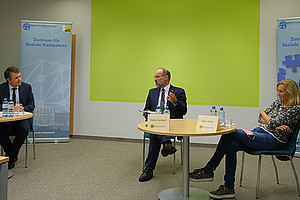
228 123
16 111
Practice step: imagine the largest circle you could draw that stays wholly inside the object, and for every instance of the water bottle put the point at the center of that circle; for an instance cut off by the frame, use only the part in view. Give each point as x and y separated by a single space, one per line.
213 111
167 111
157 110
5 108
10 108
222 116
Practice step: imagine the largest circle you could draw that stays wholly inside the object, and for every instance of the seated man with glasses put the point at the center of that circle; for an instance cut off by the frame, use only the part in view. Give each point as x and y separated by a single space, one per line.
163 95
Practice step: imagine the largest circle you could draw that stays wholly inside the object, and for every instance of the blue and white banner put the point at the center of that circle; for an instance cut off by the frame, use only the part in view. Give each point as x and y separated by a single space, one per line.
288 55
46 65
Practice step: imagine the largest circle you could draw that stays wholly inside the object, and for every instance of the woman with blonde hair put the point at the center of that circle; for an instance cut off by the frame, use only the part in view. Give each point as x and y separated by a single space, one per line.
276 123
292 89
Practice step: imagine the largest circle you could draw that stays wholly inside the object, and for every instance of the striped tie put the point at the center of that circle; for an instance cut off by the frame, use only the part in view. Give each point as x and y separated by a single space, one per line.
162 100
14 95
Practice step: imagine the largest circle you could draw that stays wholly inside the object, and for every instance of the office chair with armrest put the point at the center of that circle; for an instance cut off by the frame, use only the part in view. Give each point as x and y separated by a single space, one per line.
147 135
31 130
283 150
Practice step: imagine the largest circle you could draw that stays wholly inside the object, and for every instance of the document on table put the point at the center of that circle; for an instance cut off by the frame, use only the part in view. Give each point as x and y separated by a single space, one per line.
147 111
20 113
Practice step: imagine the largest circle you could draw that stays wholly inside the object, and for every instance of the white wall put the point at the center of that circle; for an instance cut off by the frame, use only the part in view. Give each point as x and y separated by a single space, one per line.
114 119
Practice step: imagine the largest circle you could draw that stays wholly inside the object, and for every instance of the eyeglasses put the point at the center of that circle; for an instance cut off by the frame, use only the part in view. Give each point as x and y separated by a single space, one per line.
158 76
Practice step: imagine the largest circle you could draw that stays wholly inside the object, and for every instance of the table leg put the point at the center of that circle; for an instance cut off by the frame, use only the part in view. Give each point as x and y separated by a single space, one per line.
186 167
184 193
3 181
9 174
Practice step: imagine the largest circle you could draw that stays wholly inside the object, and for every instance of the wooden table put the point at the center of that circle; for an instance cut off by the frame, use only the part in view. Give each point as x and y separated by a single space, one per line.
21 116
3 177
185 128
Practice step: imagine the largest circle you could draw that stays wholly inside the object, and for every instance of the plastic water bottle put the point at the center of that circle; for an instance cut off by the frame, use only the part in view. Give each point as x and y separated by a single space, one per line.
10 108
5 108
222 116
213 111
157 110
167 111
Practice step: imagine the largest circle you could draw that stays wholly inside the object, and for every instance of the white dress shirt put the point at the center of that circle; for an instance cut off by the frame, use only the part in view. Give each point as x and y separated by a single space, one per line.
167 88
11 93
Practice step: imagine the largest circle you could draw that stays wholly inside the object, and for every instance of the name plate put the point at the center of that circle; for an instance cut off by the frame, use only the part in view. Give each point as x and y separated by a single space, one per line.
159 122
208 124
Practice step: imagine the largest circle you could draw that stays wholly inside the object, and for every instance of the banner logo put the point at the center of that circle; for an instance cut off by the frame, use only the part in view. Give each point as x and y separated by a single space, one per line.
26 26
282 25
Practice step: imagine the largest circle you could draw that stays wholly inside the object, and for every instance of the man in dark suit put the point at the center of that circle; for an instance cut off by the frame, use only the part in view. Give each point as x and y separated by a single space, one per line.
175 98
22 95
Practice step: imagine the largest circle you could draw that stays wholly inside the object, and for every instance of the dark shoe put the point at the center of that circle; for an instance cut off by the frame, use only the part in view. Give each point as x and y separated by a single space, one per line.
11 164
15 159
222 193
146 175
168 149
199 175
283 158
286 158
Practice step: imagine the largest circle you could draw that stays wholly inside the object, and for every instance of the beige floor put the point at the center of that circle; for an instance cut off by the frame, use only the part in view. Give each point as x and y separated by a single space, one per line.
103 169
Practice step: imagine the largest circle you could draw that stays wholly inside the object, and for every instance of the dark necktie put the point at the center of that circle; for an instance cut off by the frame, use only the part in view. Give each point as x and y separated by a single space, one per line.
162 100
14 95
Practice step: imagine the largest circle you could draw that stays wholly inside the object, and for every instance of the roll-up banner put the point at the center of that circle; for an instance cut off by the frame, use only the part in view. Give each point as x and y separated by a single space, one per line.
46 64
288 53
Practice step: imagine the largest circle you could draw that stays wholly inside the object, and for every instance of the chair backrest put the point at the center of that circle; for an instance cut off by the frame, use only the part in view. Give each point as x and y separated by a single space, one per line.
294 136
147 135
291 145
31 120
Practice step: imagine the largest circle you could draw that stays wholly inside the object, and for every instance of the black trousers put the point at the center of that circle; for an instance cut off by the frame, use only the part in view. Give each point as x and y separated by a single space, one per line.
19 129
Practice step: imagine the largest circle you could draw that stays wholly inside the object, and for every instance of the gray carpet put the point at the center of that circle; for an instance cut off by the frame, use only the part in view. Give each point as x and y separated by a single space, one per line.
104 169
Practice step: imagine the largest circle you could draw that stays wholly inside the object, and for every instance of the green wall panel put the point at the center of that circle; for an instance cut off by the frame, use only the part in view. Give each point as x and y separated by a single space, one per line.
211 48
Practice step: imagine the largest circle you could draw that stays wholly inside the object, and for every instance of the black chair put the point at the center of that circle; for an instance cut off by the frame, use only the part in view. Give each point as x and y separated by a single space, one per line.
286 150
31 130
147 135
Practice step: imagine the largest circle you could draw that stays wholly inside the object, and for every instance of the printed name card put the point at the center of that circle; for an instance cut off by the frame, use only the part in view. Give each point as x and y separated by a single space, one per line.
159 122
208 124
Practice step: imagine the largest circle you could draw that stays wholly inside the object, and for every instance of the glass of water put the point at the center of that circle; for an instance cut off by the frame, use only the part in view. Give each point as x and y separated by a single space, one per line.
228 123
16 111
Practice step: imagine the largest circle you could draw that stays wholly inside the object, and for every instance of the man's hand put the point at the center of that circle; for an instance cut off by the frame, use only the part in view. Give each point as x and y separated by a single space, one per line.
172 98
145 114
20 107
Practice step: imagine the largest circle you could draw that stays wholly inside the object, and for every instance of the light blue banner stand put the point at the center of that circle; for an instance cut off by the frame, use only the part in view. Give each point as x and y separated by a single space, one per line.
46 65
288 57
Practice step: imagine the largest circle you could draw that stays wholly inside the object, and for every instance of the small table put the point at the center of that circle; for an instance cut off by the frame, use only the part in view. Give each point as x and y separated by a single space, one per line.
185 128
21 116
3 177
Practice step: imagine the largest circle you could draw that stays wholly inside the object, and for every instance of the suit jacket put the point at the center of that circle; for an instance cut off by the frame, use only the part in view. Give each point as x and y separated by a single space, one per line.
25 95
177 111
